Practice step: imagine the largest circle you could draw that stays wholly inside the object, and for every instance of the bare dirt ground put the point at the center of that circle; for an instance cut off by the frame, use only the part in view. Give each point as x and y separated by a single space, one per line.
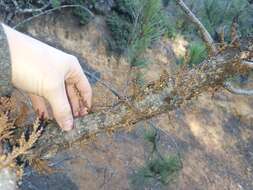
213 134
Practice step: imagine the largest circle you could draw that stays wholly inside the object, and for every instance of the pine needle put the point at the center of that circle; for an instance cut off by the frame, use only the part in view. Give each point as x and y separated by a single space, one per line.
23 148
138 24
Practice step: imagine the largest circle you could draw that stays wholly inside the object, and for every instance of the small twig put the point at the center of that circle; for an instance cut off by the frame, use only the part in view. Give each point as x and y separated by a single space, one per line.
203 31
9 18
15 3
19 10
52 10
105 84
122 98
68 158
5 6
234 32
238 91
248 63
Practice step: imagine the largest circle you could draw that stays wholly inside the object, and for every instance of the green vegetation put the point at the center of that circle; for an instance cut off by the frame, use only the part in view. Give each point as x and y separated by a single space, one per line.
163 171
83 16
158 168
120 28
214 14
56 3
196 53
134 26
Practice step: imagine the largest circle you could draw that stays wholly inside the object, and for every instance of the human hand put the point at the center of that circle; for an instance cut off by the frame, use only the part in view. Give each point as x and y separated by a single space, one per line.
48 73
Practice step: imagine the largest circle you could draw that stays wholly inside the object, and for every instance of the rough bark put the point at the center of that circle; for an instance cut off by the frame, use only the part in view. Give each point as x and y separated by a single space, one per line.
161 96
238 91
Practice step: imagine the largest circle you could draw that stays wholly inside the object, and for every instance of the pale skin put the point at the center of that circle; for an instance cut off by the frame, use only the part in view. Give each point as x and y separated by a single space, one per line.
48 74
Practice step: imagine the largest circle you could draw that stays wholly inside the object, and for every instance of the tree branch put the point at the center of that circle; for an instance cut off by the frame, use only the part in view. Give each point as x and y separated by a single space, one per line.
203 31
19 10
238 91
161 96
52 10
105 84
248 63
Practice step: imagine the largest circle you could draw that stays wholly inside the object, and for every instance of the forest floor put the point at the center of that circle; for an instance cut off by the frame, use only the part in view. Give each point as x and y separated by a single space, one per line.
213 134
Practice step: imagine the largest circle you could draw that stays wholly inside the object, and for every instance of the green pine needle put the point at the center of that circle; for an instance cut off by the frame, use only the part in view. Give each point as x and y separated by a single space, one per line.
137 25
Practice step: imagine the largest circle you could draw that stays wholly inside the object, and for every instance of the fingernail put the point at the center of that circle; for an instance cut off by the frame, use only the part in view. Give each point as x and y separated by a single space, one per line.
83 112
76 114
67 125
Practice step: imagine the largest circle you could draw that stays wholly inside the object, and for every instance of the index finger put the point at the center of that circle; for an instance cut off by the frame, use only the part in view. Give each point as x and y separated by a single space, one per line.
84 89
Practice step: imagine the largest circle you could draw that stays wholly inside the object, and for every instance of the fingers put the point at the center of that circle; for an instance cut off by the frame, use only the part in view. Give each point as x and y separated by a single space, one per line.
61 108
39 105
76 104
84 88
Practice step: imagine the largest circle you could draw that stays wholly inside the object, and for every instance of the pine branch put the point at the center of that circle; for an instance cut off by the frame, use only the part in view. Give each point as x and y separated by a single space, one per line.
23 148
6 127
134 30
161 96
203 31
106 85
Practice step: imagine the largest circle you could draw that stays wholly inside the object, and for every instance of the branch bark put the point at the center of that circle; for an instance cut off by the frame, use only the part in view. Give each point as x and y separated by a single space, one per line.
248 63
238 91
203 31
161 96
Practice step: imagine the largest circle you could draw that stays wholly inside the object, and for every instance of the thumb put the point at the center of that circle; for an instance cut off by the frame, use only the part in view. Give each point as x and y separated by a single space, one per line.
61 108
